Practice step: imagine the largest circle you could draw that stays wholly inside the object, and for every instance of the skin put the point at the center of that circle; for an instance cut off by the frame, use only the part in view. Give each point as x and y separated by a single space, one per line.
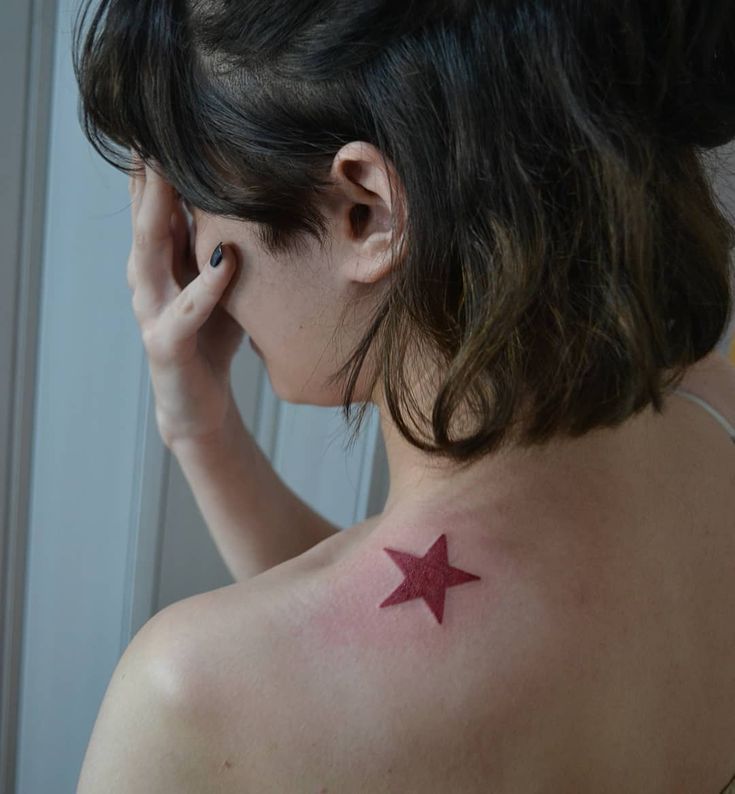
288 307
607 590
290 310
426 577
592 582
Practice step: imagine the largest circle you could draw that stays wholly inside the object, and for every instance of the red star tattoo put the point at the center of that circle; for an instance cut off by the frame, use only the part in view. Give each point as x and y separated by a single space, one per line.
427 577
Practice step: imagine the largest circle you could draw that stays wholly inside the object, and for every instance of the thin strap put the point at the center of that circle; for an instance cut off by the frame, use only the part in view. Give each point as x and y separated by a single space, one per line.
729 788
707 407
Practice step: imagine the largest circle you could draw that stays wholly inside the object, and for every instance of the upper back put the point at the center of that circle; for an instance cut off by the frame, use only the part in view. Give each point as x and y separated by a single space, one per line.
594 652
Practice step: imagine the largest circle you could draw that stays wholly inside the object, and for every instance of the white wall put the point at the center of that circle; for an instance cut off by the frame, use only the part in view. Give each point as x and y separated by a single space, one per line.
26 42
84 462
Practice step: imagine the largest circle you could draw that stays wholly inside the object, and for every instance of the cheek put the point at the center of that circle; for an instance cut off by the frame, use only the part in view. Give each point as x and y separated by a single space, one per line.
285 337
297 353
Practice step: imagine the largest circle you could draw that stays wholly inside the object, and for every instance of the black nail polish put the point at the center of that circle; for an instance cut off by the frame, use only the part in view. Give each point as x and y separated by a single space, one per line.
216 256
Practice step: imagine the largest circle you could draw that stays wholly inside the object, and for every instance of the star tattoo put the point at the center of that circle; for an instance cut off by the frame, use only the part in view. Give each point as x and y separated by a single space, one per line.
427 577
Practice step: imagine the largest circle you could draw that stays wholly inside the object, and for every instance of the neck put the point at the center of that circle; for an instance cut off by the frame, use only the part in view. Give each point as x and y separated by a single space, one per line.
420 480
421 485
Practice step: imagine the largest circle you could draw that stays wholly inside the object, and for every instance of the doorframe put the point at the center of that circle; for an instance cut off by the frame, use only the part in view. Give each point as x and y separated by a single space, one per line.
24 136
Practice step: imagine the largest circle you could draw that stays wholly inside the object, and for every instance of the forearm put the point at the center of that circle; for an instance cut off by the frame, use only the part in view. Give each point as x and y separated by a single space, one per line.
255 519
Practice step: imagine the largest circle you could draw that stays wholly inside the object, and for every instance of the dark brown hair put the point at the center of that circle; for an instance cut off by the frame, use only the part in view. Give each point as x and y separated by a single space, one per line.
563 246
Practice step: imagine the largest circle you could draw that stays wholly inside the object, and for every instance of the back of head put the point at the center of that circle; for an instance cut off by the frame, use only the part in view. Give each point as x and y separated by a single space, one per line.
563 249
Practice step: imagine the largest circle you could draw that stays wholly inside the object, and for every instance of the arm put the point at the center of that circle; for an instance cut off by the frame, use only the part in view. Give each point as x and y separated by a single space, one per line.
255 519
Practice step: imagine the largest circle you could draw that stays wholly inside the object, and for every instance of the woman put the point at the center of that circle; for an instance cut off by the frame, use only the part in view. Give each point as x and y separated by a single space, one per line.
492 220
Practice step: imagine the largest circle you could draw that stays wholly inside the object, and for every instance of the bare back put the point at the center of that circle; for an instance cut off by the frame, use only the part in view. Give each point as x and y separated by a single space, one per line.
593 650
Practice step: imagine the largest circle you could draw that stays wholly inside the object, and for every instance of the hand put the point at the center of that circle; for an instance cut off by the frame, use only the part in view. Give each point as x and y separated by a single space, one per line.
190 341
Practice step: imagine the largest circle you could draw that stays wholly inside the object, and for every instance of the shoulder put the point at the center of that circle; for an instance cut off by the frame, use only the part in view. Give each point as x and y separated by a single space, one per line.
307 678
143 738
184 702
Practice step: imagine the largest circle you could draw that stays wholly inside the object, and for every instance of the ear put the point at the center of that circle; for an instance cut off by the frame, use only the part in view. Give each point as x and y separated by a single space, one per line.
368 217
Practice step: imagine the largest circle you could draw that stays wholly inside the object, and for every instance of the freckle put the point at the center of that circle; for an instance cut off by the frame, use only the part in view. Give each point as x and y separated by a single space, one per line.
226 764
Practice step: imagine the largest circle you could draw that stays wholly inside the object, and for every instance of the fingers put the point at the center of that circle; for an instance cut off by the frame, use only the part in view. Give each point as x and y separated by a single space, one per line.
156 205
180 236
171 299
185 315
184 265
136 183
153 244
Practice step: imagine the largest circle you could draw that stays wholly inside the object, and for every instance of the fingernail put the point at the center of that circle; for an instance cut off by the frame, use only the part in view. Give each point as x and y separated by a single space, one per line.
216 256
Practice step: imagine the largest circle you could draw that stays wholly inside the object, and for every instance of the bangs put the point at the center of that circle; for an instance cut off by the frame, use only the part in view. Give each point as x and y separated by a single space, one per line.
146 88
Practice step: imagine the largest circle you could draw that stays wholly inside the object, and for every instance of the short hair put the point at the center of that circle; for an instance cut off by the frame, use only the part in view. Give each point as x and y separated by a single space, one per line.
563 246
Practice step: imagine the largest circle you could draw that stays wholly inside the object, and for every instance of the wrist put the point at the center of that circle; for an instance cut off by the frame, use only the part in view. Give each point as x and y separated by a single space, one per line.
221 440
